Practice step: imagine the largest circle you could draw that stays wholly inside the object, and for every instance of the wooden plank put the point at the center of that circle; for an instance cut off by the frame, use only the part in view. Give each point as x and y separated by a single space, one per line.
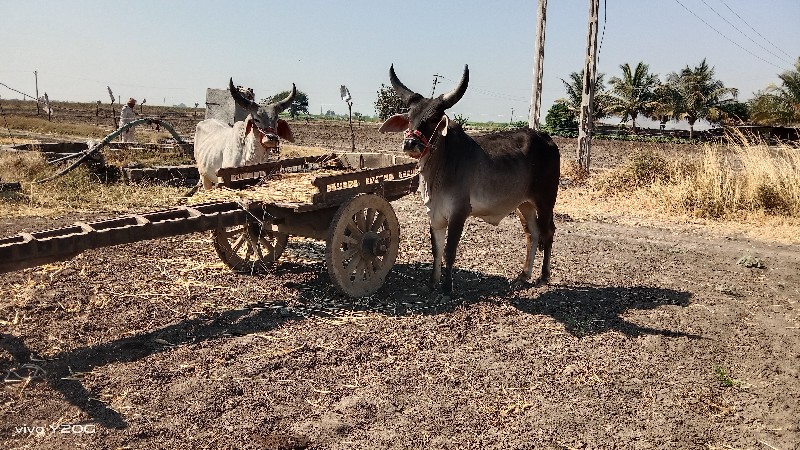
32 249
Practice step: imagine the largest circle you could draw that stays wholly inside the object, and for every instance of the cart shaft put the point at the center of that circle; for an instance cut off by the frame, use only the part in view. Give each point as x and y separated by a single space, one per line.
43 247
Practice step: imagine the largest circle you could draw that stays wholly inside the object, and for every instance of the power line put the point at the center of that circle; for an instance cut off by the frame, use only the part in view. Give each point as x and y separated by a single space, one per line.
745 34
18 92
498 95
756 31
603 34
726 37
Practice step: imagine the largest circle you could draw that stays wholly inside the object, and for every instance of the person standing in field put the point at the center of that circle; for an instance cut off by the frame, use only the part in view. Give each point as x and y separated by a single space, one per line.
128 115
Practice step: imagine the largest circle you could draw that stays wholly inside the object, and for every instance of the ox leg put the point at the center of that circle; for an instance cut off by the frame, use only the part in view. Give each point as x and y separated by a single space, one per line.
545 223
207 183
437 247
455 227
527 216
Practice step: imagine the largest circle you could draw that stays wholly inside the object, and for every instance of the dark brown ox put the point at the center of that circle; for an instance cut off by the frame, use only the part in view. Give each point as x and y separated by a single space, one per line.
486 176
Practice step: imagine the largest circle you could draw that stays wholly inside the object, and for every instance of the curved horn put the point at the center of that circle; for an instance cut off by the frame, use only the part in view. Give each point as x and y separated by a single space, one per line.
237 96
452 97
283 104
404 92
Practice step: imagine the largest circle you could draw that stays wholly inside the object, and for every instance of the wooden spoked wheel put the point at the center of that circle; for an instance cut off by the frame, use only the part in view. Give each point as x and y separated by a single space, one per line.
363 240
249 248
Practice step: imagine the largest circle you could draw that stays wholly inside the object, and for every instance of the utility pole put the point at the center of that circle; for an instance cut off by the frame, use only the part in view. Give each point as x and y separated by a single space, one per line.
587 101
36 77
435 80
538 67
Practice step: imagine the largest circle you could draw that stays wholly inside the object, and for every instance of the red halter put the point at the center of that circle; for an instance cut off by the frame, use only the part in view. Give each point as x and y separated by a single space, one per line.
418 136
261 133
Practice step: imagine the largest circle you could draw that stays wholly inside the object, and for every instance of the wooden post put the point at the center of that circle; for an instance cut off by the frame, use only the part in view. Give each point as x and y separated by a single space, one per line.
36 77
538 67
587 102
352 133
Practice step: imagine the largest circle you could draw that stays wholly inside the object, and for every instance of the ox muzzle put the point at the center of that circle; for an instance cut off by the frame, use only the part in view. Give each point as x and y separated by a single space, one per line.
267 137
415 144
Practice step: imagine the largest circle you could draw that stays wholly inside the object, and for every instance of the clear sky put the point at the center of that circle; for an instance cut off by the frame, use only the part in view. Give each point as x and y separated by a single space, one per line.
169 52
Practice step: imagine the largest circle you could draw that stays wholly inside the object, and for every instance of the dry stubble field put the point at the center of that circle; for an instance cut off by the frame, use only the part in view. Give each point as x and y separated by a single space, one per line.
650 335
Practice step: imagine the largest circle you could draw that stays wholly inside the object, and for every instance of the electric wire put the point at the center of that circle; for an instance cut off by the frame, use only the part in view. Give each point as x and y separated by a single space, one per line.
603 34
726 37
754 30
745 34
492 94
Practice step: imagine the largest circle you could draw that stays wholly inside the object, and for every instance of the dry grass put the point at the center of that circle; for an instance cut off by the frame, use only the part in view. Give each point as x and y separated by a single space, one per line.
79 190
82 191
744 177
16 130
747 186
293 188
148 156
41 125
295 151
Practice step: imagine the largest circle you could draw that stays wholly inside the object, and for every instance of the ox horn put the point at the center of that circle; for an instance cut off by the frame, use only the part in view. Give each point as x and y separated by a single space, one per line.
452 97
238 97
283 104
404 92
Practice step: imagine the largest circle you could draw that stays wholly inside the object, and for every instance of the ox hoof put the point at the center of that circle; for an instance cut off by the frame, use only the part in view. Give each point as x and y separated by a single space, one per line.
518 285
444 298
521 282
541 281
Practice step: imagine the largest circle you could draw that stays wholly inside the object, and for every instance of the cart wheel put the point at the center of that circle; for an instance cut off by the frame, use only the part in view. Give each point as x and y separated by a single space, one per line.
363 240
249 248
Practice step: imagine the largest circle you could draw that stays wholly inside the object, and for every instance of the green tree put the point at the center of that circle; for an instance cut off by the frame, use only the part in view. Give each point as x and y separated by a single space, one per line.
388 102
574 89
735 112
299 104
633 93
665 101
779 105
560 119
698 95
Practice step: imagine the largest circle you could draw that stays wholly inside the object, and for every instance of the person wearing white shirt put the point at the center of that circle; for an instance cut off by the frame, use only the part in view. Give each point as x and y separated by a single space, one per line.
128 115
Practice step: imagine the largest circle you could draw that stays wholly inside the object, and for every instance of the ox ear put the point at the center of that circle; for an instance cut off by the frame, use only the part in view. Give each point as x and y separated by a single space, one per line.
284 131
442 126
396 123
248 127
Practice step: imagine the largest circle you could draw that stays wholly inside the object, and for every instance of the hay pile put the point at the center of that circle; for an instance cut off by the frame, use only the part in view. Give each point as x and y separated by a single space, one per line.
278 188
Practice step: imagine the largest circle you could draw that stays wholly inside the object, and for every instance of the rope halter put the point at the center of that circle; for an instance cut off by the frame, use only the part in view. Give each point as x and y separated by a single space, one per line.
417 136
269 133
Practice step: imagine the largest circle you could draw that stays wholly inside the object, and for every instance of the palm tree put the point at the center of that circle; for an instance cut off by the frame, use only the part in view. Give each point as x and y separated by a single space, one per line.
779 104
574 88
633 94
697 95
791 83
665 101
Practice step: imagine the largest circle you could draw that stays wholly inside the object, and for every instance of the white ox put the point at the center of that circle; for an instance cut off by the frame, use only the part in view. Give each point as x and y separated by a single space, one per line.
218 145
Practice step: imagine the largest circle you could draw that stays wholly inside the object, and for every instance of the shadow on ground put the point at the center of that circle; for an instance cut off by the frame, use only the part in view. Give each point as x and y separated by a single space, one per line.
584 310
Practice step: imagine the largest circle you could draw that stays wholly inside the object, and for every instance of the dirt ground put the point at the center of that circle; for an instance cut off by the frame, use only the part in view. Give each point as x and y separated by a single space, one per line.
646 337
